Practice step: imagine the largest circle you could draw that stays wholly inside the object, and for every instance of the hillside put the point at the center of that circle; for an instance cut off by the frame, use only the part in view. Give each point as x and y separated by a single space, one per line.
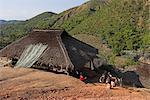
4 22
119 24
31 84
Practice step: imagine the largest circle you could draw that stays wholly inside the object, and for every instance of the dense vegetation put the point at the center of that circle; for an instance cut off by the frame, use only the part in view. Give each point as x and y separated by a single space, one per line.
120 24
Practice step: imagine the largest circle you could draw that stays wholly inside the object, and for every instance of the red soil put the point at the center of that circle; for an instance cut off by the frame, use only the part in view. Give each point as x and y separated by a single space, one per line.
30 84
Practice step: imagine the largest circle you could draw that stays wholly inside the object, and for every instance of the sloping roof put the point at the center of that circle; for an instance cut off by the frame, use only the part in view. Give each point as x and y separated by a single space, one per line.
53 55
63 51
80 53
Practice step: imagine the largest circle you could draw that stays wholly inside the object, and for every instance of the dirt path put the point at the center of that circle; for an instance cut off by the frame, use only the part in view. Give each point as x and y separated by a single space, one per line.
30 84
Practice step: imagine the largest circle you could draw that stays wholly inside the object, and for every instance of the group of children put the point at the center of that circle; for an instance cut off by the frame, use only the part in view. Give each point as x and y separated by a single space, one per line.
105 78
108 79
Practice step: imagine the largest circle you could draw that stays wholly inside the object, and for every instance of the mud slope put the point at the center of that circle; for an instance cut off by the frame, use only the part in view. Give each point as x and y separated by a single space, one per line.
31 84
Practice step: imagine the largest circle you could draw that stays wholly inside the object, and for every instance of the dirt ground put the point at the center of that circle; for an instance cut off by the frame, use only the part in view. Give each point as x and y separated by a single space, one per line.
31 84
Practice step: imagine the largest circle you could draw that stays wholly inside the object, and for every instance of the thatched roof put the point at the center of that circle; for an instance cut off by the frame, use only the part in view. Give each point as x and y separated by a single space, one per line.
63 52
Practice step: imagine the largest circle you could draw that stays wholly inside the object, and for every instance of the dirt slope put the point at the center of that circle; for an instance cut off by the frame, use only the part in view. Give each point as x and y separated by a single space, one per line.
31 84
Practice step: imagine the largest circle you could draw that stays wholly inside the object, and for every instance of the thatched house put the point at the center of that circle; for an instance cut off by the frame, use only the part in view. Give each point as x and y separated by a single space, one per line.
56 50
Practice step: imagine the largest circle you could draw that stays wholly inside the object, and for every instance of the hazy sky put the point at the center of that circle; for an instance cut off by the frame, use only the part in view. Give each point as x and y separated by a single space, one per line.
25 9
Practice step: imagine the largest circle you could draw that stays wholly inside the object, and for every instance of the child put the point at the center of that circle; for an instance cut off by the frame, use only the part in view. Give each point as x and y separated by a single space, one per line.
82 78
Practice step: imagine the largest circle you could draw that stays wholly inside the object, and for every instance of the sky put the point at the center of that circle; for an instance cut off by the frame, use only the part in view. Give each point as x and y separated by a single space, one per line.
25 9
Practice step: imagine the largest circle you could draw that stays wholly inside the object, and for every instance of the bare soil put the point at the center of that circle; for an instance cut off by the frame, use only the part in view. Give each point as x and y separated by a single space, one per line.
31 84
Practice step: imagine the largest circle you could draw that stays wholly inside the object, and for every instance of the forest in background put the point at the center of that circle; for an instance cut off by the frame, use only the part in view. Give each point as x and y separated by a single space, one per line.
121 25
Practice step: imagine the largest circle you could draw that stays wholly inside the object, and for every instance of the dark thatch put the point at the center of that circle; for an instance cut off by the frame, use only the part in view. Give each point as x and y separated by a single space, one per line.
64 53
